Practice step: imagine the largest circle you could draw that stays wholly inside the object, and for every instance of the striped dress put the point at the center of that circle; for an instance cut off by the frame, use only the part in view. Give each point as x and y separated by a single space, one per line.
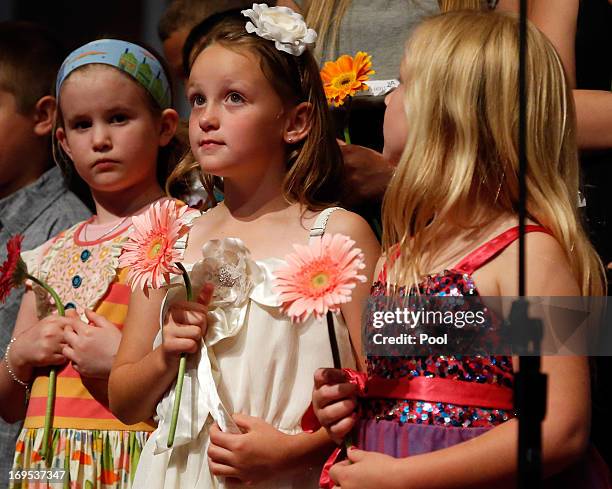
88 442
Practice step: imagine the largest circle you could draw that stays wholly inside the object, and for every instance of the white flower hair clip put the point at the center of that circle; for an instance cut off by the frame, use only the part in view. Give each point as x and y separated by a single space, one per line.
282 25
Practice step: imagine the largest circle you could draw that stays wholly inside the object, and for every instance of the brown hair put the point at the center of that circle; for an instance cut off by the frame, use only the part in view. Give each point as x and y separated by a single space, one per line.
314 165
30 57
168 156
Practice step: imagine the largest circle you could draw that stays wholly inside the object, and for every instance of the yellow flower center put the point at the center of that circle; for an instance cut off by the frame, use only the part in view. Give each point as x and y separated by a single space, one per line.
155 248
320 280
342 80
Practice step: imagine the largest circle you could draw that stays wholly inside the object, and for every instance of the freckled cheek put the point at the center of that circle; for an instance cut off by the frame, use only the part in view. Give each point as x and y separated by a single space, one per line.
240 127
266 125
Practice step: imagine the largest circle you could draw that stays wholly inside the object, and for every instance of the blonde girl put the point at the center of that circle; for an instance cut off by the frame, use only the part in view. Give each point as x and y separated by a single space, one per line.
450 229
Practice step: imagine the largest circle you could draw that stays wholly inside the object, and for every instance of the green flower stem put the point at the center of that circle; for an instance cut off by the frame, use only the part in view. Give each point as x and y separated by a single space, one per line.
52 376
347 136
182 364
58 302
46 449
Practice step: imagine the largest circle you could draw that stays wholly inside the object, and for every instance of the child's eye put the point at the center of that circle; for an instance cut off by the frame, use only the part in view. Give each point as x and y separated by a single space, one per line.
235 98
118 119
81 125
197 100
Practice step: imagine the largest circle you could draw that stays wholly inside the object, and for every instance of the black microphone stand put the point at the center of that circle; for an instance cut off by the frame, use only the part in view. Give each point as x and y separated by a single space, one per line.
530 383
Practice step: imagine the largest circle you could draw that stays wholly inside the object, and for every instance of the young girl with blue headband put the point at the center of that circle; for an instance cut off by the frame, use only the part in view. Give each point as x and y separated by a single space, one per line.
115 129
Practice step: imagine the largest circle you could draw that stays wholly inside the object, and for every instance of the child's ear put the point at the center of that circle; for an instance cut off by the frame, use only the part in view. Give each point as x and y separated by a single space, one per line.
167 129
44 115
60 134
299 123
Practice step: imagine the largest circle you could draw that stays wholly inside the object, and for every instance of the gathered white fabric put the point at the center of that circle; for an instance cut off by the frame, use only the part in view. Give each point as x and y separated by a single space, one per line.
253 360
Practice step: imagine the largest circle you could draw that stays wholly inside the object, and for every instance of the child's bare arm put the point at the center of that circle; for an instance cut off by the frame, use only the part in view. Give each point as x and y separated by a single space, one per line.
141 375
355 227
593 107
565 429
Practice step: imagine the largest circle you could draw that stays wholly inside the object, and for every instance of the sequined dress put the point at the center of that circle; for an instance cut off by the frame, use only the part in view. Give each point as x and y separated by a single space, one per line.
409 426
402 426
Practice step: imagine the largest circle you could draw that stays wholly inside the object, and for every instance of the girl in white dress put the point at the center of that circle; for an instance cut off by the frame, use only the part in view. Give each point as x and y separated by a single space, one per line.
259 120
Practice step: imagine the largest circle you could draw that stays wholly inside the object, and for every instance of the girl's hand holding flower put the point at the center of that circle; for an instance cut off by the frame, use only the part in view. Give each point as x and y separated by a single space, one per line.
334 401
91 347
39 346
185 326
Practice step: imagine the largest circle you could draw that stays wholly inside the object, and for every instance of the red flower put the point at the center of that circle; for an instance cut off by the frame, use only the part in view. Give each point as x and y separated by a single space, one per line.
13 271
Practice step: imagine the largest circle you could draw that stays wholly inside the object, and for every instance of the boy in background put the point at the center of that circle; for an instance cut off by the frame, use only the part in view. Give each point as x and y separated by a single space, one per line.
34 200
178 20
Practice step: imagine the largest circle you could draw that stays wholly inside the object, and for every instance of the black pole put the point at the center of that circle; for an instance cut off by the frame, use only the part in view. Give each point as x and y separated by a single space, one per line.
530 383
522 153
333 342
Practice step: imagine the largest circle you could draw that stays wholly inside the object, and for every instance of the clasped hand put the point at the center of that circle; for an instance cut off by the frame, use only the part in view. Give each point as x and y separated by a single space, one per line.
367 174
366 470
41 345
334 401
260 452
91 347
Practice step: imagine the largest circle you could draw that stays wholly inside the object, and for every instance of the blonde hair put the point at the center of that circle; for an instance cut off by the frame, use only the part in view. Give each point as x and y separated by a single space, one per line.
460 162
325 17
314 170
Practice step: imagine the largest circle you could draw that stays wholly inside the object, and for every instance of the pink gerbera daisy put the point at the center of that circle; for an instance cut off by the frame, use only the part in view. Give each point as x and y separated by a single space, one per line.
319 277
149 252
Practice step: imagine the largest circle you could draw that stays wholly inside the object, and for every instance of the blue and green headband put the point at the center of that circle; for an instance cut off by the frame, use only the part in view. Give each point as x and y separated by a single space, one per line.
134 60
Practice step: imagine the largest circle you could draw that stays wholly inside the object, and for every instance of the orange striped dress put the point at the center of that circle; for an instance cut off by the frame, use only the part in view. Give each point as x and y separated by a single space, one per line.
88 442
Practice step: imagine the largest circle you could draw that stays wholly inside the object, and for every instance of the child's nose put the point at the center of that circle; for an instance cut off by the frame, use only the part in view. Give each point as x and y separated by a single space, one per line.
101 138
208 119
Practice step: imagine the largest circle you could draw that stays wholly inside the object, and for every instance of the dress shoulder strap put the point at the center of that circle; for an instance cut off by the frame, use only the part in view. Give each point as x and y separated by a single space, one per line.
486 252
318 228
181 243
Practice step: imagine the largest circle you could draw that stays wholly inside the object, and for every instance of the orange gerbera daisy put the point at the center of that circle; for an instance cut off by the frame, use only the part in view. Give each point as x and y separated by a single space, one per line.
346 76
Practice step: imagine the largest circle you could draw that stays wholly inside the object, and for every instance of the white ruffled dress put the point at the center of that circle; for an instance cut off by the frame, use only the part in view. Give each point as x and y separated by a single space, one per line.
253 360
